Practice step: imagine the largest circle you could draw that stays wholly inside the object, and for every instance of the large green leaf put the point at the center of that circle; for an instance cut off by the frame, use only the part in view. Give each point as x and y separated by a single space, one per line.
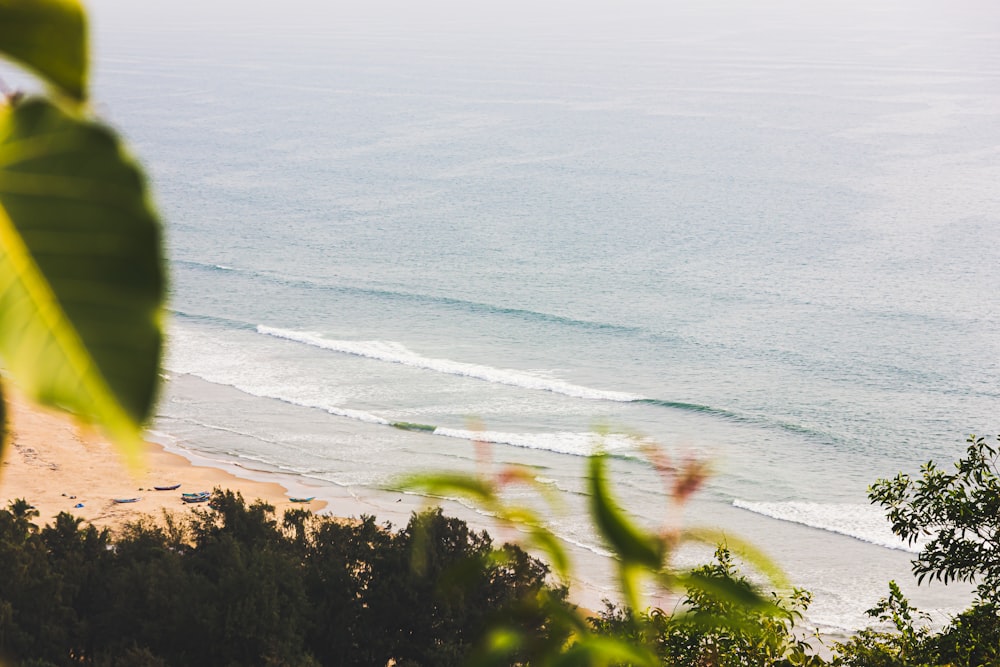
49 37
81 270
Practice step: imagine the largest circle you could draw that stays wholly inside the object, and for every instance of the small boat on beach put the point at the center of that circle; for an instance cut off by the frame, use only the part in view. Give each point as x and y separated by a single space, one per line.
126 500
172 487
302 500
196 494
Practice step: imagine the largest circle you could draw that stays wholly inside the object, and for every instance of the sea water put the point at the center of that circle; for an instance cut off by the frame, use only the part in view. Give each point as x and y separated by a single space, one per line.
762 234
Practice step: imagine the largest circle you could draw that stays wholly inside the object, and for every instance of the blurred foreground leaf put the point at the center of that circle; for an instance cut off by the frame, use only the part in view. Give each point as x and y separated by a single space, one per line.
605 652
742 548
50 38
732 591
81 271
445 485
3 425
629 542
486 493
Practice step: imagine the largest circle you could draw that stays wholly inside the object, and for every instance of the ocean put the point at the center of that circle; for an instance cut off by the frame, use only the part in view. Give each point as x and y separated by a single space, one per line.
762 234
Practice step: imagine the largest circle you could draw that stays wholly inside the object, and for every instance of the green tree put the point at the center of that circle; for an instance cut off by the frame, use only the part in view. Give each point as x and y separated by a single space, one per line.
906 646
35 620
716 624
971 639
344 560
959 511
78 554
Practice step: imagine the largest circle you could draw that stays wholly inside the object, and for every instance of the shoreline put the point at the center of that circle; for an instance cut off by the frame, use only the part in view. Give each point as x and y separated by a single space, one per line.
56 463
59 465
50 458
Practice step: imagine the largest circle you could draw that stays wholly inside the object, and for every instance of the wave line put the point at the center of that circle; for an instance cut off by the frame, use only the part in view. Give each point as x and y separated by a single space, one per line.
398 354
862 522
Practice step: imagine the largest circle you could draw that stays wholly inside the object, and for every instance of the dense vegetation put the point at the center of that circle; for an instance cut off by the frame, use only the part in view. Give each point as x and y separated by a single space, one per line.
236 586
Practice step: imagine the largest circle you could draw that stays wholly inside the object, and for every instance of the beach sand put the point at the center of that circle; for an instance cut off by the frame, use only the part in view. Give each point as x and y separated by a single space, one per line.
56 464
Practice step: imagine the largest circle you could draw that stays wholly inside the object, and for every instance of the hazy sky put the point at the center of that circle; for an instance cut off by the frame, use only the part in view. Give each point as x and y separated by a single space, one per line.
795 24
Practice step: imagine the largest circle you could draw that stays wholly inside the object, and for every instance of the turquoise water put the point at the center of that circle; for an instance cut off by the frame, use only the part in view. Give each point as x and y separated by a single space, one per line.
764 237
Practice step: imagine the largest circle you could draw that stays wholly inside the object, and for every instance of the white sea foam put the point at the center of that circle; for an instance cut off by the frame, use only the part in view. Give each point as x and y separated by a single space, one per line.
593 548
225 362
563 442
359 415
398 354
228 364
862 522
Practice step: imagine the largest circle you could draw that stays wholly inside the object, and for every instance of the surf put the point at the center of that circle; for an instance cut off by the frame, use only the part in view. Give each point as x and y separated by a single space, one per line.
862 522
397 353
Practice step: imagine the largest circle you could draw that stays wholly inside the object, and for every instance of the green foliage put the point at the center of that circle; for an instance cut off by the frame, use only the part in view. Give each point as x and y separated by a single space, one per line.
961 509
235 586
81 267
33 613
971 639
905 647
723 619
50 38
960 512
642 556
3 422
639 552
488 493
721 622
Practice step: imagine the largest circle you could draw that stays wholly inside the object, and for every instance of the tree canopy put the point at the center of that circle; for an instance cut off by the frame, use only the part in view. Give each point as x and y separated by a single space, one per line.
237 586
958 511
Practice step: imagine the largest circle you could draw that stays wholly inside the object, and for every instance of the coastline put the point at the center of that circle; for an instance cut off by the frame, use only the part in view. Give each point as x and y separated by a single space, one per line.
50 458
56 464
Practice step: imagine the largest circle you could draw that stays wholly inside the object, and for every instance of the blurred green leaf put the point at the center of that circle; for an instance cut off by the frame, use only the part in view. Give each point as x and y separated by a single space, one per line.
498 646
742 548
50 38
628 541
521 516
522 475
3 424
567 616
550 544
630 579
450 484
81 272
728 590
597 650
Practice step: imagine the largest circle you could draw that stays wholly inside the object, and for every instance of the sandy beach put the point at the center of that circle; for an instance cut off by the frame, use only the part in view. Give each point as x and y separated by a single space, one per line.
59 465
